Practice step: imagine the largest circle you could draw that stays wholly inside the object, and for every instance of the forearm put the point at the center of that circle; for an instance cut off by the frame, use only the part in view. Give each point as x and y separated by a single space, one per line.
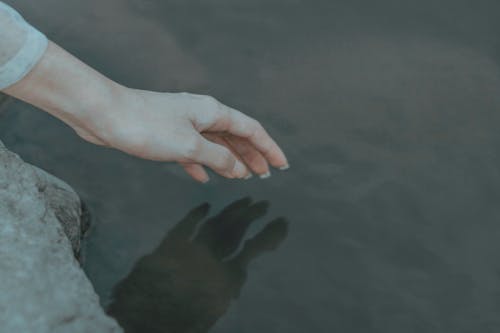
41 73
65 87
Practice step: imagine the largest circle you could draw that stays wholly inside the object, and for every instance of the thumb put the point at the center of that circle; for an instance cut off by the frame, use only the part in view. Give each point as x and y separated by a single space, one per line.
220 159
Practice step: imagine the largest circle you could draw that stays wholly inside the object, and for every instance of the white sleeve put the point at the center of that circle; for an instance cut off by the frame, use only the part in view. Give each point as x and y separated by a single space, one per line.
21 46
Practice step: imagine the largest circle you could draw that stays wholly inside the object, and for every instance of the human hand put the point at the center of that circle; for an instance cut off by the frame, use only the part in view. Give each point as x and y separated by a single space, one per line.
190 279
193 130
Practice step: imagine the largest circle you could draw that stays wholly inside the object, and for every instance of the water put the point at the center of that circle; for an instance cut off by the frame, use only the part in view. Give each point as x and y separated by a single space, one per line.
387 220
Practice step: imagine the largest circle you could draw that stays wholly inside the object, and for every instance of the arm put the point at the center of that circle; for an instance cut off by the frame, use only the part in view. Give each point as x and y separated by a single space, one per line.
193 130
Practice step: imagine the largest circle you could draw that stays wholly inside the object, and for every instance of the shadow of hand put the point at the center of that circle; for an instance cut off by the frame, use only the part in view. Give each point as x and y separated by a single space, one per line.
188 282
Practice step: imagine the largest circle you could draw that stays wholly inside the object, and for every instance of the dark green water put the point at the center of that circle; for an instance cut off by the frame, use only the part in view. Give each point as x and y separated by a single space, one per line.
388 220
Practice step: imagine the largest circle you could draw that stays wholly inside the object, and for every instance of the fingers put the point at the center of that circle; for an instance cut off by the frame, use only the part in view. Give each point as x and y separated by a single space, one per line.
218 158
250 156
223 142
241 125
196 171
237 140
244 151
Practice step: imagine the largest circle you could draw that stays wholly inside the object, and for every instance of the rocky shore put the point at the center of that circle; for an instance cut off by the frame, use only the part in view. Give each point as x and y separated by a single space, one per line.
43 288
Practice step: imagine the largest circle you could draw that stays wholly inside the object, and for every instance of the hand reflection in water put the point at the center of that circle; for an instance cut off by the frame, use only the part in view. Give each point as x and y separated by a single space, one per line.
188 282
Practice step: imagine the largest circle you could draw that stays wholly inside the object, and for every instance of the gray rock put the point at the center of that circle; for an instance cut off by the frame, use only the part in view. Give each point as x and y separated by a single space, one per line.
65 203
42 287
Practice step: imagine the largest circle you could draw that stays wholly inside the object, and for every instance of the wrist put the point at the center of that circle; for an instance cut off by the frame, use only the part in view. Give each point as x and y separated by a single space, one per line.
96 109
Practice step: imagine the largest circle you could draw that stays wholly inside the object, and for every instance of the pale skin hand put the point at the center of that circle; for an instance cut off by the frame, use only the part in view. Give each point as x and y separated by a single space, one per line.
193 130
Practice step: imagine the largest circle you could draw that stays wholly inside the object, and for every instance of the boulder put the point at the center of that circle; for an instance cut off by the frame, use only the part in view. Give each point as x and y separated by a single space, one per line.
42 286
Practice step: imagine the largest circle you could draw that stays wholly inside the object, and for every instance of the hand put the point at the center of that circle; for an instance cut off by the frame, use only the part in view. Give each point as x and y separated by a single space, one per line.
189 281
193 130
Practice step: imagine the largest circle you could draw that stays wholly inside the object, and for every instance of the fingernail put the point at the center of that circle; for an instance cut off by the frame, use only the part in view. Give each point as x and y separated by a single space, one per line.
205 180
284 167
240 170
247 177
265 175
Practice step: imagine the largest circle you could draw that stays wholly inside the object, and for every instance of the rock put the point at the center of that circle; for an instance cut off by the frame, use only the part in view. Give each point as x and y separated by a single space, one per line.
65 203
42 287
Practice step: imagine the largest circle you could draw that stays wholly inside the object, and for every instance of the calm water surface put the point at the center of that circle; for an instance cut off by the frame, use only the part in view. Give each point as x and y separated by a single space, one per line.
388 220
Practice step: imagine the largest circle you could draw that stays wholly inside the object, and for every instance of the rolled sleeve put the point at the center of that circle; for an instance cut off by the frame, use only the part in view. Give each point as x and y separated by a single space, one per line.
21 46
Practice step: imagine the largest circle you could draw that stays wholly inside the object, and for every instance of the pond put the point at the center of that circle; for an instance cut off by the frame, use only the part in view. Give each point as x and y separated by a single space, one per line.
387 221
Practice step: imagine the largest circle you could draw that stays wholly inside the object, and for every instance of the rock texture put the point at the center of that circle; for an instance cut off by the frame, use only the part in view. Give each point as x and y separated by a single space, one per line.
42 287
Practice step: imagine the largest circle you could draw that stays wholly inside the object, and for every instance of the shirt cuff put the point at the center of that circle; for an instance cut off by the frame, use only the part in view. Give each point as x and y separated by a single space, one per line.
25 59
